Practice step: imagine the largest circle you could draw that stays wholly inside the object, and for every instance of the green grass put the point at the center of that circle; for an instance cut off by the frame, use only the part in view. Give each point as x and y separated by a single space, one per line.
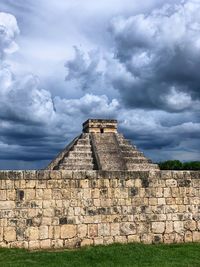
113 255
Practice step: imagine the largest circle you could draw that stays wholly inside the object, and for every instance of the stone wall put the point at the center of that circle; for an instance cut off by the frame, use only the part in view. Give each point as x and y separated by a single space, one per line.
56 209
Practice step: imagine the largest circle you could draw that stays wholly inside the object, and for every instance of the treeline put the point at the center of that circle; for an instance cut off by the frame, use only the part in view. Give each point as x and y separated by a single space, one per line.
178 165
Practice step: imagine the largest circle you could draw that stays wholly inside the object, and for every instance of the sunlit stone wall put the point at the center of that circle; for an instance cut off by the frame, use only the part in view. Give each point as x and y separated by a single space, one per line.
57 209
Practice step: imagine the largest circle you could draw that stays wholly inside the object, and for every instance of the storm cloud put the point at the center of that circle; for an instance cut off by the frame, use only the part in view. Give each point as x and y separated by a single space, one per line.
138 65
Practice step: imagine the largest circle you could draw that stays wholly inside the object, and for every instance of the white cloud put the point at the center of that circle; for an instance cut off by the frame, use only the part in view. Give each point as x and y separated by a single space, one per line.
8 32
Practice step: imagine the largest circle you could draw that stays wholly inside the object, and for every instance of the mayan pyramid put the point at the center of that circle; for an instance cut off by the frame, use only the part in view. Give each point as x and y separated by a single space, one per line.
101 147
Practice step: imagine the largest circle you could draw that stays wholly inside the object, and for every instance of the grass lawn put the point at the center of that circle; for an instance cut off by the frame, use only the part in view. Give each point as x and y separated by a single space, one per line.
113 255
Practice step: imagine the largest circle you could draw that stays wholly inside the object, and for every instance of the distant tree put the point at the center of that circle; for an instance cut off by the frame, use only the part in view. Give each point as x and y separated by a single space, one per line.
178 165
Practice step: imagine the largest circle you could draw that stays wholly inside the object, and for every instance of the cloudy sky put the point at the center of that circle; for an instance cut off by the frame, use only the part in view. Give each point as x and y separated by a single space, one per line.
62 62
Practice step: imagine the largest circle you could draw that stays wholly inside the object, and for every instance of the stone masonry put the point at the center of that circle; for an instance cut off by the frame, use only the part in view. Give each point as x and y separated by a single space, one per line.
67 209
99 190
101 147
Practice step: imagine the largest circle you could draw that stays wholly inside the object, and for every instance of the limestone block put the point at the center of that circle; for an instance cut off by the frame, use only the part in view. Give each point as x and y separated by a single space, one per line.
147 238
142 227
3 195
66 174
161 201
196 236
48 212
169 238
19 244
9 234
47 194
133 239
138 183
68 231
44 244
57 243
56 175
114 229
48 203
127 228
10 184
43 232
158 227
30 194
84 183
92 230
178 226
82 230
175 191
33 245
158 238
171 183
41 184
7 205
33 233
170 201
179 200
98 241
87 242
108 240
198 225
72 242
30 184
181 208
179 237
167 192
39 193
120 239
188 236
159 192
1 233
190 225
104 229
153 201
169 227
4 245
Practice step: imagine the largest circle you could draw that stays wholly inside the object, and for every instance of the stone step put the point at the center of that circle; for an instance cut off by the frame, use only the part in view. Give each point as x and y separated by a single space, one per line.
141 167
80 154
82 148
83 142
136 160
132 153
127 147
77 160
76 167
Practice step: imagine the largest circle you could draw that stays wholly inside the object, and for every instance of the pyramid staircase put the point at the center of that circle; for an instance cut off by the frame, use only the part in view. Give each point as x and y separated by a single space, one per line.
101 148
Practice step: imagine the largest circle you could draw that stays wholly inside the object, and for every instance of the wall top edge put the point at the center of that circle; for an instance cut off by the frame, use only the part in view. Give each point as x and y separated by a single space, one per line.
68 174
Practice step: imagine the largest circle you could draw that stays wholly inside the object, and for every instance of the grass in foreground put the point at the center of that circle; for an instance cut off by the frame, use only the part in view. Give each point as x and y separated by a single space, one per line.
139 255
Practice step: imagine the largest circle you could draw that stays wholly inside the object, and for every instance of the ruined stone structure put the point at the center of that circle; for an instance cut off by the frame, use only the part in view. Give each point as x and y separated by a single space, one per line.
62 208
101 147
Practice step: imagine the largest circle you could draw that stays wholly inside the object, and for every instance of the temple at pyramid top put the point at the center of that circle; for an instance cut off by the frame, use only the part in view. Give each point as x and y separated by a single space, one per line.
101 147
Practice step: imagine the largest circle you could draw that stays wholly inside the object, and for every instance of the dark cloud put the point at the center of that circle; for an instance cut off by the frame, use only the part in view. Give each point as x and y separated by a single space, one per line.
147 79
159 56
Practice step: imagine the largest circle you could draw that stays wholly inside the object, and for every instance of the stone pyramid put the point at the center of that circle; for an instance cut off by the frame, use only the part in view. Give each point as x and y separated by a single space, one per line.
101 147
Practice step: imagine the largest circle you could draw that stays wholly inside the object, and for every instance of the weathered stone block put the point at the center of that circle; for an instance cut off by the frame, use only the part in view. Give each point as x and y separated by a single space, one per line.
86 242
158 227
196 236
33 233
92 230
43 232
9 234
178 226
33 244
127 228
44 244
68 231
